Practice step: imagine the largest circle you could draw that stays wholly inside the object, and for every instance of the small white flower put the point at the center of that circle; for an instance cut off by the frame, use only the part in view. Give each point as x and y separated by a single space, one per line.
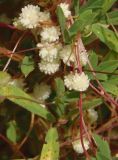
93 115
40 45
77 146
50 34
65 8
41 92
83 58
78 82
49 52
82 53
44 16
68 81
67 55
49 67
29 16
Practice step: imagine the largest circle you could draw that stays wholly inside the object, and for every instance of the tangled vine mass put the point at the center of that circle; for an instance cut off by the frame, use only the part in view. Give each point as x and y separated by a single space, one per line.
58 80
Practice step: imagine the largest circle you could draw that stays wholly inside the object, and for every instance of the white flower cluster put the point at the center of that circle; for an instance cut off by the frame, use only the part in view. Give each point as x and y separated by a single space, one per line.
41 92
30 17
49 67
49 50
65 9
68 56
77 146
49 53
50 34
77 82
18 83
93 115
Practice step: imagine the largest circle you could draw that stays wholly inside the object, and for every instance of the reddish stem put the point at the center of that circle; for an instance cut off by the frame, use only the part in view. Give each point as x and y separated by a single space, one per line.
104 93
78 58
81 126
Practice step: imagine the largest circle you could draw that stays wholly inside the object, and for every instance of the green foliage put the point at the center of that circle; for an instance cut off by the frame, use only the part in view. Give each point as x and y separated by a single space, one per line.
80 23
60 88
4 78
93 58
106 36
91 4
104 66
62 22
94 22
111 88
27 65
108 66
103 149
75 6
107 4
110 18
63 97
22 99
50 150
61 19
11 131
88 104
103 5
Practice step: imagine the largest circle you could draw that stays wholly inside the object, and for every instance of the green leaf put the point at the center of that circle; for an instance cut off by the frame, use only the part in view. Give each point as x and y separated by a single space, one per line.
75 6
89 39
107 4
72 96
111 88
103 148
27 65
21 98
60 88
52 135
112 18
102 77
92 103
107 66
11 131
106 36
82 22
92 4
4 78
113 80
67 37
93 58
50 150
60 98
111 55
103 5
62 20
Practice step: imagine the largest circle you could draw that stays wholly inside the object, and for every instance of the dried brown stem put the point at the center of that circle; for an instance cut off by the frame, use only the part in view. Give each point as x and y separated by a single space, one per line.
10 58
